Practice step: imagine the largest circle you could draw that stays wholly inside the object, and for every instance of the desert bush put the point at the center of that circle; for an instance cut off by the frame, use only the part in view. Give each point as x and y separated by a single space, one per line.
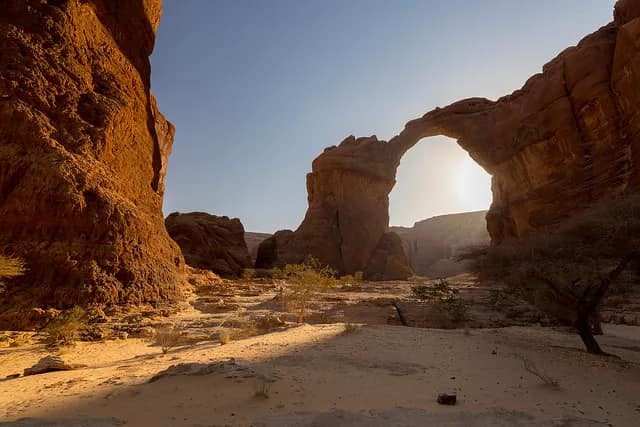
566 270
304 282
447 300
65 329
11 267
167 338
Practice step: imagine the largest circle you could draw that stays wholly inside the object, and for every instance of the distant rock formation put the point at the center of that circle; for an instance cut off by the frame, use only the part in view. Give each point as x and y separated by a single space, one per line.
433 244
83 154
210 242
253 241
569 137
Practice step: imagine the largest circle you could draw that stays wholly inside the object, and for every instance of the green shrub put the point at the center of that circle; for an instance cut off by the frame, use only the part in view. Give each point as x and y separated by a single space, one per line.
304 282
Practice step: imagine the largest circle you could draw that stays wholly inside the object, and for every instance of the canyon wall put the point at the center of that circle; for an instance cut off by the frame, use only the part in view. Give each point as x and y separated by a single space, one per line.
569 137
83 154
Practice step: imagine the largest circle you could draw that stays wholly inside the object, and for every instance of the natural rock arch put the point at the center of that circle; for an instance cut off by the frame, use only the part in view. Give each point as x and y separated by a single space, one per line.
569 137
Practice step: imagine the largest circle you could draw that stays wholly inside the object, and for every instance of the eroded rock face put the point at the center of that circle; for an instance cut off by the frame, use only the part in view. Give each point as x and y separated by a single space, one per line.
569 137
210 242
83 154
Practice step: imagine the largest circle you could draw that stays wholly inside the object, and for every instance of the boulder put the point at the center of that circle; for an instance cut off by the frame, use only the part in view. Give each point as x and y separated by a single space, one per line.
210 242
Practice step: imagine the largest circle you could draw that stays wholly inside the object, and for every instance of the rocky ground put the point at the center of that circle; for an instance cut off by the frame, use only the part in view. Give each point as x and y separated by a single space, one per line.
242 360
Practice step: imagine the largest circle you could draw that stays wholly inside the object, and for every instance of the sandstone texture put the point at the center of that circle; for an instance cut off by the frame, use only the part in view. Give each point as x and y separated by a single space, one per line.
569 137
83 154
433 245
210 242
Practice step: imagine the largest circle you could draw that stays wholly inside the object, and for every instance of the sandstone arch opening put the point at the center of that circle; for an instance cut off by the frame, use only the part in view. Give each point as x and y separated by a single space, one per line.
437 177
438 205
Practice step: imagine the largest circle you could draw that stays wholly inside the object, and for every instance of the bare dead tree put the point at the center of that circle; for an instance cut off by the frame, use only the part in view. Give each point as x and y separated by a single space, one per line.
568 269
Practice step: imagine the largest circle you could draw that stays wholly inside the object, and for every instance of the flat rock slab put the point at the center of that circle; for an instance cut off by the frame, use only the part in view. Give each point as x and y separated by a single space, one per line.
51 364
229 368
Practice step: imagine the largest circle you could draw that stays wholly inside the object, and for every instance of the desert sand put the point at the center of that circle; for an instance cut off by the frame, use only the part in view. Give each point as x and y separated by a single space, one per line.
321 375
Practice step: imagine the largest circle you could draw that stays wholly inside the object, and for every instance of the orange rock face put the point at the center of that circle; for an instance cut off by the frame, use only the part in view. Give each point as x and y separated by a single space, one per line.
569 137
83 153
210 242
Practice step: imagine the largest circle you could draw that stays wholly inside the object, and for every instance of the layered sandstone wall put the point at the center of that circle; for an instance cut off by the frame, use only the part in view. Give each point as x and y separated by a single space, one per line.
569 137
83 153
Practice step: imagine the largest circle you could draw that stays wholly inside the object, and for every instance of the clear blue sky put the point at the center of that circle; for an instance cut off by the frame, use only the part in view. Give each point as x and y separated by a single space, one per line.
257 88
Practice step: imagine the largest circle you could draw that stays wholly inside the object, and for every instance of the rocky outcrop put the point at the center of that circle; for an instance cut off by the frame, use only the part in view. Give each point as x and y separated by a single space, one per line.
433 245
83 154
210 242
253 241
569 137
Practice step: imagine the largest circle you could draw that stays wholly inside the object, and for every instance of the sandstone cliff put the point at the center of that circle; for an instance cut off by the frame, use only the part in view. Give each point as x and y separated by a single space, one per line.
433 244
569 137
83 154
210 242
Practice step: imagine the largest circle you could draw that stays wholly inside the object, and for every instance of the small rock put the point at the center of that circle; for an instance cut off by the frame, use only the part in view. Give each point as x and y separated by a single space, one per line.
51 364
447 399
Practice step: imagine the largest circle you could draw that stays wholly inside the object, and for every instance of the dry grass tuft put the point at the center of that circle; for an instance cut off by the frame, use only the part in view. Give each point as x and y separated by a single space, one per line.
167 338
224 337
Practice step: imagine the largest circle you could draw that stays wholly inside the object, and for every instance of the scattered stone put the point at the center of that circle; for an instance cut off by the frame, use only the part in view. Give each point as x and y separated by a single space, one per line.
447 399
51 364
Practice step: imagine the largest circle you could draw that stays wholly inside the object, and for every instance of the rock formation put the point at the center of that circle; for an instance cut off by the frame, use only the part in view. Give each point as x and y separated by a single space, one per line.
210 242
433 244
253 241
83 154
569 137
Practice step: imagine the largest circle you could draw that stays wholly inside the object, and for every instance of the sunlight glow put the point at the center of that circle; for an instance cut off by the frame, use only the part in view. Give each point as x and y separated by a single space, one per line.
473 185
437 177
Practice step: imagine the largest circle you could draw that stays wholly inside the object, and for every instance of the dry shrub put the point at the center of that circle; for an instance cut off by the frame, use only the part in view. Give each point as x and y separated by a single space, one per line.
65 329
305 281
167 338
448 310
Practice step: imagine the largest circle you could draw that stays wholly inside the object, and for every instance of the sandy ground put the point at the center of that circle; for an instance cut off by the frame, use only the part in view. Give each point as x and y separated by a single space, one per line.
321 376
